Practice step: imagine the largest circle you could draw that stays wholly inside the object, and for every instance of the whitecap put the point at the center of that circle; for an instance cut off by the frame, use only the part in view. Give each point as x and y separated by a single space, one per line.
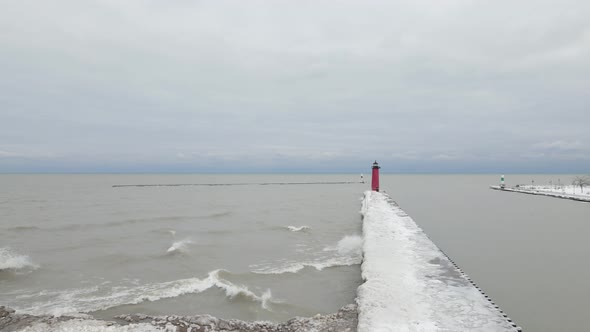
180 247
298 228
10 260
266 299
289 267
350 245
232 291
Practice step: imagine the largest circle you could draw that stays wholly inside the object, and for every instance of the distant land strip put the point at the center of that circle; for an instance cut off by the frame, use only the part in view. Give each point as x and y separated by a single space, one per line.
231 184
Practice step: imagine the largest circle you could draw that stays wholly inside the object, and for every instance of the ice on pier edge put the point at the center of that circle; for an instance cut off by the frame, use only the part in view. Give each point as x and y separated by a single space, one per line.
410 285
570 192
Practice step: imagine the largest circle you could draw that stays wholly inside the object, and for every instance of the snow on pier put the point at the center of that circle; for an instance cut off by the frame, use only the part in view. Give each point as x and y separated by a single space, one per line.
567 192
410 284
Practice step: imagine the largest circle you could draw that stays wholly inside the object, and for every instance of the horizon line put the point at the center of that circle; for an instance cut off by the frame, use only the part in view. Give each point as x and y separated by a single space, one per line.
277 172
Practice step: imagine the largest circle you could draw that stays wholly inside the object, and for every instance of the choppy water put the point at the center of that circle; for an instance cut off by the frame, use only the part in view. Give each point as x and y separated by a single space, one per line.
73 243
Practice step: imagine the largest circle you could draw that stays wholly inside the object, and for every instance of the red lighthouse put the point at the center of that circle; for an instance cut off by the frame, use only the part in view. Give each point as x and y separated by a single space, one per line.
375 177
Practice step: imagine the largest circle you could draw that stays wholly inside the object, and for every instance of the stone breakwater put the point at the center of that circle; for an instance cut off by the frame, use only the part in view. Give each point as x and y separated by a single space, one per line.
344 320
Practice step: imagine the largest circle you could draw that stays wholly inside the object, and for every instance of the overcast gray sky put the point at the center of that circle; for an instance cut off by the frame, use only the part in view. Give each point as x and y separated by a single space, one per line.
421 86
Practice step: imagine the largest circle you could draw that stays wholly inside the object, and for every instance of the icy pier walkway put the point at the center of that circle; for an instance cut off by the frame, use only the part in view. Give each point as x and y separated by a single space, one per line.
534 191
410 284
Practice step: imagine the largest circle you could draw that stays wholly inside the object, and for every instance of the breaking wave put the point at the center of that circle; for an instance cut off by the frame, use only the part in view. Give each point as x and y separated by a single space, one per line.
348 245
180 247
298 229
294 267
232 291
65 302
10 260
347 252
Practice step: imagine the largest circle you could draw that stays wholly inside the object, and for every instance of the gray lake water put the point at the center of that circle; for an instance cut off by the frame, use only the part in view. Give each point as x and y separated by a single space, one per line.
73 243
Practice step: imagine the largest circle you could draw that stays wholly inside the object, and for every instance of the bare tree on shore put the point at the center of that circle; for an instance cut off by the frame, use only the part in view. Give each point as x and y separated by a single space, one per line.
581 181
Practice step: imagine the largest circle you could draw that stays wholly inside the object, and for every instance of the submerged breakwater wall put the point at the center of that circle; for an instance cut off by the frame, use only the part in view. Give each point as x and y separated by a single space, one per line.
410 284
231 184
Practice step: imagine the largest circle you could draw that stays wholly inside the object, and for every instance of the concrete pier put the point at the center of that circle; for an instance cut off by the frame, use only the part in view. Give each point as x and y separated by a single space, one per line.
410 284
579 198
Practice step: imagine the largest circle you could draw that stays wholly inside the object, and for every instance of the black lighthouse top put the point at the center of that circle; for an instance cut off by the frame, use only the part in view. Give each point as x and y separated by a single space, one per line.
375 165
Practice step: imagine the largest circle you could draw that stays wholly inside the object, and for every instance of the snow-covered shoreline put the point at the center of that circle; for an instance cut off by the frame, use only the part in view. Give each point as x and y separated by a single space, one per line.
344 320
565 193
410 284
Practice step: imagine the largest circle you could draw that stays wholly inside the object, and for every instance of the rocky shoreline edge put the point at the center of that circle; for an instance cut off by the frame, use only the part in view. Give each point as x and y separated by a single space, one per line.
344 320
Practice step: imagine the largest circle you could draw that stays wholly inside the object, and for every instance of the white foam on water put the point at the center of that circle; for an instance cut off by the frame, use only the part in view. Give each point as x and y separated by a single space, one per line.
76 325
10 260
298 228
266 299
232 291
84 300
180 247
350 245
347 252
292 267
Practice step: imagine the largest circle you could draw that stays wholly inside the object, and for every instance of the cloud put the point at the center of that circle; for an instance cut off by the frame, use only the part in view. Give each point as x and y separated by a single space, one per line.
25 155
559 145
444 157
8 154
277 85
